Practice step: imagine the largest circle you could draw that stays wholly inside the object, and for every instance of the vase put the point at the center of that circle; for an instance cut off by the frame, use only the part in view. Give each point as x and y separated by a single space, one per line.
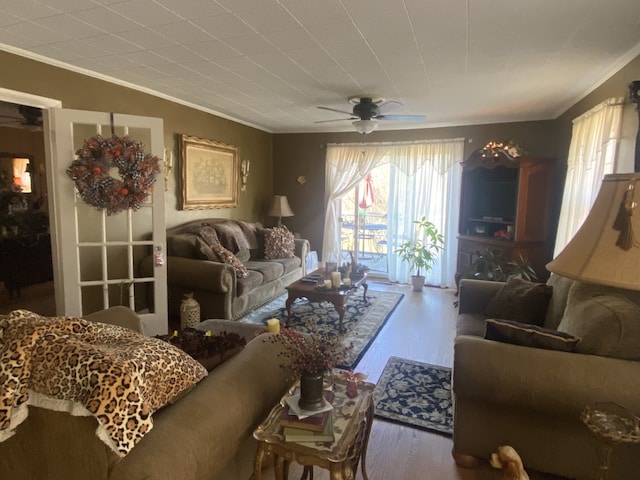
189 312
311 397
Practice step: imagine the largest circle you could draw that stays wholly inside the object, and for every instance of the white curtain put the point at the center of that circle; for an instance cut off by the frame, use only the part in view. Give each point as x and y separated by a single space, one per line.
423 182
592 152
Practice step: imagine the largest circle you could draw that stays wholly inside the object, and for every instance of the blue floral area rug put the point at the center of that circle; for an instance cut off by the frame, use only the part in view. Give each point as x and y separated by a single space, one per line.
415 394
363 320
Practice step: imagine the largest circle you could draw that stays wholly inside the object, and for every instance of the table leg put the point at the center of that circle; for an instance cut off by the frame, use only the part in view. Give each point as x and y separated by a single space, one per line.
278 466
336 472
288 303
341 309
257 462
365 286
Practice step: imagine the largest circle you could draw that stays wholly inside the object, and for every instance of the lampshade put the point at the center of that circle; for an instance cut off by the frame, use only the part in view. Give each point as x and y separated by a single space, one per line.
605 250
280 208
365 126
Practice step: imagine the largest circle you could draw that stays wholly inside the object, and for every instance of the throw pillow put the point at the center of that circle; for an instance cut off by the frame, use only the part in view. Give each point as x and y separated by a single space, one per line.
205 251
227 257
516 333
606 318
278 243
521 301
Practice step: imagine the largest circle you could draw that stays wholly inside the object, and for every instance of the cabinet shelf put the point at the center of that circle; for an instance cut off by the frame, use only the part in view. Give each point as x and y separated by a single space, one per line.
486 220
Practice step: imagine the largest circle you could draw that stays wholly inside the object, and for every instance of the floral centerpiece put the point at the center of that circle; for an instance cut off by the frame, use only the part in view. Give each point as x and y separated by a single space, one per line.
309 356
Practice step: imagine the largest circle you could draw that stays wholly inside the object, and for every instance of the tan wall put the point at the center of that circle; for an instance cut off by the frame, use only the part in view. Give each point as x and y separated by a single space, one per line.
86 93
303 154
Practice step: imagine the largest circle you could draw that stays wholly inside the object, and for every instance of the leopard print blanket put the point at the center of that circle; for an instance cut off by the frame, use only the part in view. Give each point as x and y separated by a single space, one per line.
115 374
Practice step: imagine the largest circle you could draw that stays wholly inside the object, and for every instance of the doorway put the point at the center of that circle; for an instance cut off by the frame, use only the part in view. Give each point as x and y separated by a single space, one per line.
26 266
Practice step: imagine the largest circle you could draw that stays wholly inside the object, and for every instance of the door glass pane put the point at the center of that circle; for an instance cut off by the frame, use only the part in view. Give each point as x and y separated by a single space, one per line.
140 252
144 297
117 227
90 263
119 293
92 299
117 262
89 221
142 223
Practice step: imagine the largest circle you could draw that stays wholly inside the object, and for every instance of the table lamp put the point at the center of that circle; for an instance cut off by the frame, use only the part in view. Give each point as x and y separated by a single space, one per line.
280 208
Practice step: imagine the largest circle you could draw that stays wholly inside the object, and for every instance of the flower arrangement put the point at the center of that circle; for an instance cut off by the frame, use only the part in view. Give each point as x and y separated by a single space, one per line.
510 148
312 352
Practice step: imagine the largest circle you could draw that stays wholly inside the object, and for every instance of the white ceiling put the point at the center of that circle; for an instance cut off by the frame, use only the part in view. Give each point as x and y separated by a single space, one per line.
270 63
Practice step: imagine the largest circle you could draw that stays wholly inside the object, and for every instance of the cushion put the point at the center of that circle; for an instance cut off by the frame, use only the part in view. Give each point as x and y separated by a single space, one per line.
243 255
270 270
205 252
232 236
561 286
520 300
516 333
182 245
607 321
278 243
227 257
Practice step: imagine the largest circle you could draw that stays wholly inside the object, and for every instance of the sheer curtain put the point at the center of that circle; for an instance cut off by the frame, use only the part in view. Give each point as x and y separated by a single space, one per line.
592 152
425 180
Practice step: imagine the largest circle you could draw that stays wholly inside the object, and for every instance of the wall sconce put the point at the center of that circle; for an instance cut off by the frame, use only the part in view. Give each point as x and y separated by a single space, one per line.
168 166
244 174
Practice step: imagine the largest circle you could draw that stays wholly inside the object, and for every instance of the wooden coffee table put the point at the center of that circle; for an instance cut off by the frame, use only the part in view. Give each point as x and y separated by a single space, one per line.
315 293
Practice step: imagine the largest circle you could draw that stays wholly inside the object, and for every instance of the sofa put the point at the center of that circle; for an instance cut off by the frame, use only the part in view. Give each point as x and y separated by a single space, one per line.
507 392
205 434
230 266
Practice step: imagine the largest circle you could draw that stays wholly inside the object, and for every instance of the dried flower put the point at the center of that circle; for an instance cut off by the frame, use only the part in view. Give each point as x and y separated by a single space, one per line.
312 352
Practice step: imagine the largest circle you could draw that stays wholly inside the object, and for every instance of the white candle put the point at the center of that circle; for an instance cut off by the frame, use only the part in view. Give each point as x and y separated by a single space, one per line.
273 325
335 279
327 284
347 282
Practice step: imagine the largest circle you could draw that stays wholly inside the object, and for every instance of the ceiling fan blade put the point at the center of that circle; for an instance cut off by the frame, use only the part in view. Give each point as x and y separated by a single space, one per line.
337 120
402 118
336 110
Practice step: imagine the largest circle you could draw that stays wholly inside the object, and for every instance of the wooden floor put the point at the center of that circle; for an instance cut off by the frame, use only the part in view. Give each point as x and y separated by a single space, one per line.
38 298
421 328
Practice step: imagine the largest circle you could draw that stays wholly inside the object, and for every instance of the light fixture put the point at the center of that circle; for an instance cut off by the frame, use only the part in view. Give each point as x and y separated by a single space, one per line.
168 166
365 126
245 165
280 208
605 249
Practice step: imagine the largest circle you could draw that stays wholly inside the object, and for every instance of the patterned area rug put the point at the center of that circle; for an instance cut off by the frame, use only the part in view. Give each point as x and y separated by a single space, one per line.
415 394
362 320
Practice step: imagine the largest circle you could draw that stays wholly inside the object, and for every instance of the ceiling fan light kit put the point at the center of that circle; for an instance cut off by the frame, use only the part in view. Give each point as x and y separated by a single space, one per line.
367 110
365 126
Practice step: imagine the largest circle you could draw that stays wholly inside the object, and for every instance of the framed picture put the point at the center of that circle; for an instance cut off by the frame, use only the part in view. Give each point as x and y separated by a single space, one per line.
209 174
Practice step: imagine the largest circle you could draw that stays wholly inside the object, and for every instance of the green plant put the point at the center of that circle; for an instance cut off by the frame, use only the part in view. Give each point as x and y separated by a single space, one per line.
492 266
422 251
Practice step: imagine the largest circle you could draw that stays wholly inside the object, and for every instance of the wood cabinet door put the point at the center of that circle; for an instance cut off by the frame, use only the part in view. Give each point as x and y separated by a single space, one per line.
535 195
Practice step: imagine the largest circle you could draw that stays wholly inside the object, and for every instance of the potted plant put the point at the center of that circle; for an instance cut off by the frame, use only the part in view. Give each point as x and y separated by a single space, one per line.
421 251
492 266
308 357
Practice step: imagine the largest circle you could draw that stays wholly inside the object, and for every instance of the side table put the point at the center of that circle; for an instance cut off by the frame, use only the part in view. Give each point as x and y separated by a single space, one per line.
352 418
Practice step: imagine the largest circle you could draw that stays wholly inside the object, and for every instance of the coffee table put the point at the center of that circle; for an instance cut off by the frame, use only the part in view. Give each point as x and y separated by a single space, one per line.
316 293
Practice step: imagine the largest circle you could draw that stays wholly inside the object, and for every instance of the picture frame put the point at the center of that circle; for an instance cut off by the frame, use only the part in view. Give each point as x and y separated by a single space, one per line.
209 174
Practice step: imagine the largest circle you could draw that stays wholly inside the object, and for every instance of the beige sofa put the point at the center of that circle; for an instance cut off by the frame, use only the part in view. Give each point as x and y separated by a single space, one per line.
215 285
532 398
205 435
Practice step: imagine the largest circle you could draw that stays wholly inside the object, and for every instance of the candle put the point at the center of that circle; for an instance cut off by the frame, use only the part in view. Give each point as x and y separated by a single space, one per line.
335 279
273 325
327 284
208 334
347 282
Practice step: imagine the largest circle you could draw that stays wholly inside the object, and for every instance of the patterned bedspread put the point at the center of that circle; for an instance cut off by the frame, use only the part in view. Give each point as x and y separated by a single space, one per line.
115 374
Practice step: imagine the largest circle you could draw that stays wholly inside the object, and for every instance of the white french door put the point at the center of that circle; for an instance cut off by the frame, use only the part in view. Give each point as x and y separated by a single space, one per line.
96 256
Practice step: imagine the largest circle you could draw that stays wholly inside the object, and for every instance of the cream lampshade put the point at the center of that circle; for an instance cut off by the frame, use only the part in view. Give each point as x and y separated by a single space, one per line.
280 208
605 249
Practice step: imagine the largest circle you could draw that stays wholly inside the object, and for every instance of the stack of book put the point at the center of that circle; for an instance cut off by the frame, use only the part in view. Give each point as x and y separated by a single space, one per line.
303 426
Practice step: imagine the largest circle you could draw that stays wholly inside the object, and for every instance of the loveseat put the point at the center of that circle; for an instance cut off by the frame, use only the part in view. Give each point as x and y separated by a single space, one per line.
533 398
207 257
206 434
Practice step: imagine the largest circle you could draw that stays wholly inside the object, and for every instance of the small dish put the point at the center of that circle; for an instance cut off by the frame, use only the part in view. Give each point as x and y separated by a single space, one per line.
315 276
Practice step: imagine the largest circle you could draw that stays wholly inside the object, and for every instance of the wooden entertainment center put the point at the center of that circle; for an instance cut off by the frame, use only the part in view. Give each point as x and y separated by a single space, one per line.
507 203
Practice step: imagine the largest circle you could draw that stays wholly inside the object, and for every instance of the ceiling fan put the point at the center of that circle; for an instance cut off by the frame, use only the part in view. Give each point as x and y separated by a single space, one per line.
368 109
24 116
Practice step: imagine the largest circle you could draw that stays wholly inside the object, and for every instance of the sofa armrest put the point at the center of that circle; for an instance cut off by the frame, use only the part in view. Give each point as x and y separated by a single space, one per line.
474 295
557 383
201 274
302 248
118 315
